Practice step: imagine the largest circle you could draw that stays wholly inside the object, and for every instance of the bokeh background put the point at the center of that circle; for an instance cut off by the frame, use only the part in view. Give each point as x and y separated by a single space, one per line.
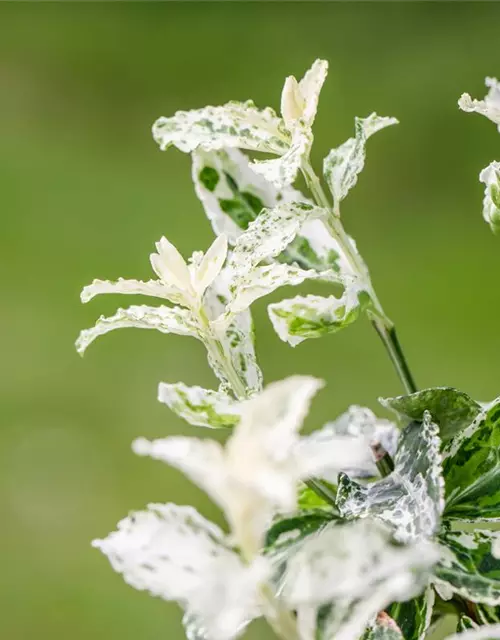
84 193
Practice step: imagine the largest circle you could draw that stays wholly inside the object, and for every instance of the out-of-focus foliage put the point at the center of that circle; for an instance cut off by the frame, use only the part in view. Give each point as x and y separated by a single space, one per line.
85 192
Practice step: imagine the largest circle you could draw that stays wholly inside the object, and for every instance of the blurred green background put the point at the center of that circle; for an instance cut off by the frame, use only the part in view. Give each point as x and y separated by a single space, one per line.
85 192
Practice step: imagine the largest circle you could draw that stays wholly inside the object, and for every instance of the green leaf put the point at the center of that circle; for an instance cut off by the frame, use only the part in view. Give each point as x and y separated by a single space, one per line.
200 407
233 195
469 567
471 469
384 628
411 498
414 616
342 166
302 317
309 499
464 623
451 409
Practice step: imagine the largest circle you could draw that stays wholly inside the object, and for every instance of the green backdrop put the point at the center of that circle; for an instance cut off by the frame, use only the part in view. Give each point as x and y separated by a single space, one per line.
85 192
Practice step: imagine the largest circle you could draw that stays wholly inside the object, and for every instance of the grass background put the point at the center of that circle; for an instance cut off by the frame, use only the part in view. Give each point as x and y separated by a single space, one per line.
85 192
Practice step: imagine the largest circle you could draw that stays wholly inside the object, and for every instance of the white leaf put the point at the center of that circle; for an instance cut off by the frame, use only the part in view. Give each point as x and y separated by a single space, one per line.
152 288
170 266
282 171
237 337
364 428
342 165
164 319
269 234
264 280
348 561
210 265
299 318
176 554
292 102
235 124
490 177
198 406
310 88
489 107
411 498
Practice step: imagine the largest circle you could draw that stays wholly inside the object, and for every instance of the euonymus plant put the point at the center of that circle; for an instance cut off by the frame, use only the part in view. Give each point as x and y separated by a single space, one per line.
359 529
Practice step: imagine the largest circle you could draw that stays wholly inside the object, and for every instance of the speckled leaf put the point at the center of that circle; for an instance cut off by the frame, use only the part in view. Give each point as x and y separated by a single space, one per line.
451 409
411 498
235 124
237 338
198 406
490 177
233 195
414 616
302 317
471 469
153 288
469 567
164 319
342 166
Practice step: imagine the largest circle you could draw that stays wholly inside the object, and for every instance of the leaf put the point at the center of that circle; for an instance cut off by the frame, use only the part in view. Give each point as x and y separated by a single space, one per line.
268 235
471 468
489 107
153 288
302 317
364 429
384 628
164 319
233 195
235 124
451 409
342 166
198 406
309 499
414 616
411 498
486 632
490 177
469 567
176 554
347 562
237 337
464 623
264 280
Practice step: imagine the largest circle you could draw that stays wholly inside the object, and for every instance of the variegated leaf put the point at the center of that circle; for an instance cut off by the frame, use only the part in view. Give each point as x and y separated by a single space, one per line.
410 499
487 632
464 623
489 107
469 567
176 554
153 288
198 406
451 409
342 166
413 617
235 124
236 337
302 317
471 469
164 319
490 177
233 195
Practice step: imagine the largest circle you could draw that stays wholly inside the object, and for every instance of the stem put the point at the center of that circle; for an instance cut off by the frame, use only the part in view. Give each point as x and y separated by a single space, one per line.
381 322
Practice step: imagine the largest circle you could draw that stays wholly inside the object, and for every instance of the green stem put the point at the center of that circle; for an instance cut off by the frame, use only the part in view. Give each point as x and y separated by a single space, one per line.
382 323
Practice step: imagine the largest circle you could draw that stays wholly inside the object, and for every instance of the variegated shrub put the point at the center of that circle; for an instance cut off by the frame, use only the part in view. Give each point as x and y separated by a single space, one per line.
365 528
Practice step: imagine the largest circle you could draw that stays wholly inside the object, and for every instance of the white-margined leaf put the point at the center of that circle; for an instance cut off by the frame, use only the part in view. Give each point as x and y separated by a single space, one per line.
486 632
302 317
411 498
200 407
235 124
233 195
343 165
490 177
175 554
164 319
414 616
469 567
